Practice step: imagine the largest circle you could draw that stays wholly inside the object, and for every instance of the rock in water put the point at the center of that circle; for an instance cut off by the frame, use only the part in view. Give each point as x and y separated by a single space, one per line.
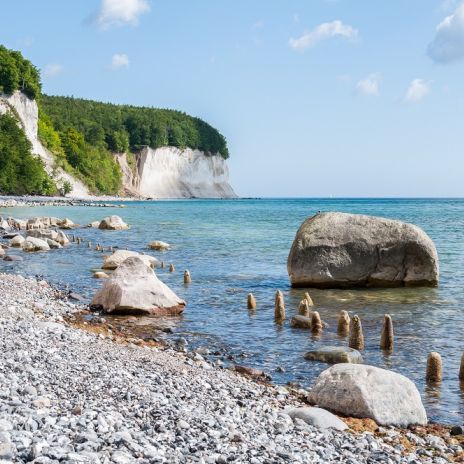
17 241
351 250
300 322
134 288
317 417
335 355
369 392
35 244
158 245
113 223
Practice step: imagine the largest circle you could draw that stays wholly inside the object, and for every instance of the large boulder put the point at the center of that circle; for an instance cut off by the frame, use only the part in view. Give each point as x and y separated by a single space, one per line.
134 288
352 250
35 244
369 392
112 262
113 223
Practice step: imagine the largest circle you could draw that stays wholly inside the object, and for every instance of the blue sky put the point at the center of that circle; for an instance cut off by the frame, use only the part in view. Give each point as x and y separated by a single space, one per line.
315 97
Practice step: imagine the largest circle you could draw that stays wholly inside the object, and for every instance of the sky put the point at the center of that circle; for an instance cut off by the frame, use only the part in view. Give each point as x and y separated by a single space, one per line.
317 98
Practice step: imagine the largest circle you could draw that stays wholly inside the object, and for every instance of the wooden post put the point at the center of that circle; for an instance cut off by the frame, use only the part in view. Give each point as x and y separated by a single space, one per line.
434 372
356 334
386 337
251 301
343 328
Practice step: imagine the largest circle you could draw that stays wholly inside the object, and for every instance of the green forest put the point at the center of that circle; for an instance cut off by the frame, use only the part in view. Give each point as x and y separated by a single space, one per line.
20 171
82 134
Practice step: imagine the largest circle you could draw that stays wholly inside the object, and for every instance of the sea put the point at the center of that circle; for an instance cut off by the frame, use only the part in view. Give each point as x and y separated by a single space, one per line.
233 247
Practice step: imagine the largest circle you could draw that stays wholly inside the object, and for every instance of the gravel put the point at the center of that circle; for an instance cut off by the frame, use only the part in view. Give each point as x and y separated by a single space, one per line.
70 396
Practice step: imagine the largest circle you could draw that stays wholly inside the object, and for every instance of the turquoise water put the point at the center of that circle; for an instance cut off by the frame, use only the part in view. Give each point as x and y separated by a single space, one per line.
233 247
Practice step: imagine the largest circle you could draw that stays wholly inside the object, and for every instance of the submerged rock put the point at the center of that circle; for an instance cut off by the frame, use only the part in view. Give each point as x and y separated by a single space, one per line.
119 256
158 245
351 250
317 417
300 322
335 355
113 223
13 258
369 392
134 288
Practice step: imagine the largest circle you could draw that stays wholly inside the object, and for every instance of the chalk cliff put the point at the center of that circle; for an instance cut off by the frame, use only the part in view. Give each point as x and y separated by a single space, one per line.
169 172
27 113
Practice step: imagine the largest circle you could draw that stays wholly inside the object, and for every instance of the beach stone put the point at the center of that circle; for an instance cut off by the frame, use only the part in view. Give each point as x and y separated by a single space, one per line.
113 261
352 250
300 322
62 238
363 391
13 258
159 245
52 243
66 224
94 224
101 275
113 223
134 288
35 244
17 241
335 355
317 417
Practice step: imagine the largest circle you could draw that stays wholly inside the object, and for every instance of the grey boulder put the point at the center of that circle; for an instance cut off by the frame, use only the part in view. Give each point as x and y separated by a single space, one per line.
352 250
317 417
358 390
134 288
335 355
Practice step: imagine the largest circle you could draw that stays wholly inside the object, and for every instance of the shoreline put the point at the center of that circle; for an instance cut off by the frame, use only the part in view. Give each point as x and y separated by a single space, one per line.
113 398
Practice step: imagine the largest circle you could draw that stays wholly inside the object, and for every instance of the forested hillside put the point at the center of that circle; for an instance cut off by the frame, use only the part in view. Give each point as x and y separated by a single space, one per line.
124 127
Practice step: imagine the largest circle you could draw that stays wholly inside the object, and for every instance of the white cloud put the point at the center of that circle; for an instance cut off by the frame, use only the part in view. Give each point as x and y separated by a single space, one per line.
323 32
120 12
119 60
369 85
417 90
448 43
52 69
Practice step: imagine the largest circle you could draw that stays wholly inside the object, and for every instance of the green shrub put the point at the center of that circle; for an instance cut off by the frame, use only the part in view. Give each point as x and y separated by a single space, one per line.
20 171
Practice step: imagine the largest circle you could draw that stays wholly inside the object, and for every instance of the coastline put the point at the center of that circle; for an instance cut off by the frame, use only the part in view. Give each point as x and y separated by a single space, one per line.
88 396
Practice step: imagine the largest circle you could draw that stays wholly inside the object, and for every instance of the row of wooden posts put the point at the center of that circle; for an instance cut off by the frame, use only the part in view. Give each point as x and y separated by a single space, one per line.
98 247
353 328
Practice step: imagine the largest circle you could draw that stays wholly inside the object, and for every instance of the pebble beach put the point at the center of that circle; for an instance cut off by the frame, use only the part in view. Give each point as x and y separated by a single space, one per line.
69 395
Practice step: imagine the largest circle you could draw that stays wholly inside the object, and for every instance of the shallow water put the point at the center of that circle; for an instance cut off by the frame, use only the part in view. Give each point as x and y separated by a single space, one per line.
233 247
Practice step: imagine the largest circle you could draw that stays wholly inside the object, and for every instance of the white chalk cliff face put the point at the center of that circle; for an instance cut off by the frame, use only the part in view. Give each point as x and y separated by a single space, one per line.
27 111
169 172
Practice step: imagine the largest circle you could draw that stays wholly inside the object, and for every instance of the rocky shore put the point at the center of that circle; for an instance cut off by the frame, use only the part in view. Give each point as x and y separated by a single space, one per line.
102 202
80 396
